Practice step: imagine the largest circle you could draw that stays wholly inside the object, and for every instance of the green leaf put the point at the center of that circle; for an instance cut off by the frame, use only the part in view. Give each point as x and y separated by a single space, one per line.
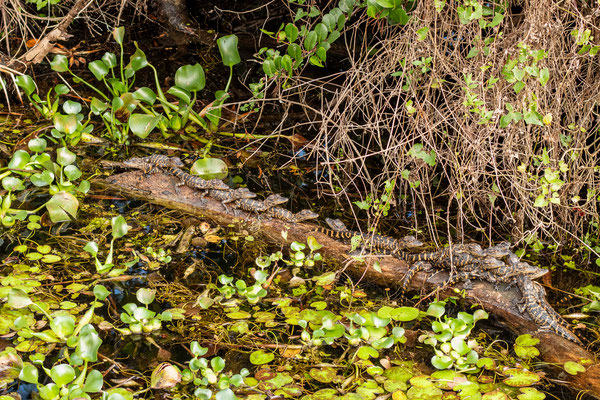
118 34
60 63
398 16
93 382
62 207
17 298
366 352
88 344
100 292
99 69
119 227
142 124
26 83
422 33
138 60
190 78
544 76
210 168
259 357
66 123
228 47
310 41
63 326
145 296
37 145
62 374
181 94
109 59
12 183
291 32
97 106
404 314
72 172
295 51
92 248
65 157
321 31
225 394
19 160
29 373
573 368
146 94
71 107
385 3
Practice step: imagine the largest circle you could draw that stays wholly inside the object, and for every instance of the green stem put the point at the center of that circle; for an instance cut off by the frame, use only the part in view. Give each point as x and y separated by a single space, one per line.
90 86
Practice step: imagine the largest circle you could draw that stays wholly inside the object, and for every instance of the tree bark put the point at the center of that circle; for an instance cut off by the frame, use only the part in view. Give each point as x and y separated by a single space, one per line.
160 189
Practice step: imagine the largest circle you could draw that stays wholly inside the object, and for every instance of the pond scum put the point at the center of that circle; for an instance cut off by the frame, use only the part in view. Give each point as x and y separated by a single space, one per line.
485 107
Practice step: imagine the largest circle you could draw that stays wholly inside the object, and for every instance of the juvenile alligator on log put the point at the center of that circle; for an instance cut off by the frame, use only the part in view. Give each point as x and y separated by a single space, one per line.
381 243
534 302
554 350
496 264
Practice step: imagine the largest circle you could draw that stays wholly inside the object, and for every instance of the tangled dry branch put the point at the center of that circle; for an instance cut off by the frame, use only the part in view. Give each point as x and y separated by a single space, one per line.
445 85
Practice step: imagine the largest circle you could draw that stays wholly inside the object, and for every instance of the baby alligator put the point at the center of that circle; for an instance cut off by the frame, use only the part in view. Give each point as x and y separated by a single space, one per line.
286 215
540 311
257 206
147 164
379 242
227 196
195 181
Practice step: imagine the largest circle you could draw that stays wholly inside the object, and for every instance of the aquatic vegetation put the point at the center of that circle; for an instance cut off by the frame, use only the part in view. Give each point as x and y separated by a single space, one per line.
37 168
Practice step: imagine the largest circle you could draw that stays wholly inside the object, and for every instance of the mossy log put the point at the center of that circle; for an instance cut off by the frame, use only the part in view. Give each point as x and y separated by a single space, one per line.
503 305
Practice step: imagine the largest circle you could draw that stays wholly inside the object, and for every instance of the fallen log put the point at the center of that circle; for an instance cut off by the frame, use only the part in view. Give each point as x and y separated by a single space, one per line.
160 189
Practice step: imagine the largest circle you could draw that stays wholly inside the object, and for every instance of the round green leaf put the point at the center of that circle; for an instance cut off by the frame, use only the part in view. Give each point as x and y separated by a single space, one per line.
190 78
145 296
62 374
60 63
442 362
228 47
520 378
210 168
17 298
366 352
71 107
63 326
291 32
573 368
225 394
259 357
72 172
37 145
404 314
